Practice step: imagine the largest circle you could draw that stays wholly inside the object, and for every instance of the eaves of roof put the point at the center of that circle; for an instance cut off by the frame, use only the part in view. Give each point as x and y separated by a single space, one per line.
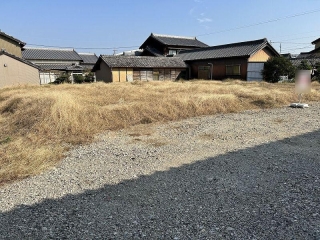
153 51
13 39
315 41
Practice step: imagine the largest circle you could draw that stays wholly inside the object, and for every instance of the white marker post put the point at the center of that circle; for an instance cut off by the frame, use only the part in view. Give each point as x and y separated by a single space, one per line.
303 85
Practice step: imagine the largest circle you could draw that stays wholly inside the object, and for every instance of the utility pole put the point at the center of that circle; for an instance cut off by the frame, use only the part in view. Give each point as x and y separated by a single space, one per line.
114 51
280 48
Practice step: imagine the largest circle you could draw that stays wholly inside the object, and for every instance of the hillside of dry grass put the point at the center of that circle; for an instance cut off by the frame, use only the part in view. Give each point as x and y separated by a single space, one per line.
38 124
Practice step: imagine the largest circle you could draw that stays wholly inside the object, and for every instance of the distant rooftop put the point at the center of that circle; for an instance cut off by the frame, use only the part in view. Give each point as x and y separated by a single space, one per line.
136 52
172 40
88 58
171 36
50 54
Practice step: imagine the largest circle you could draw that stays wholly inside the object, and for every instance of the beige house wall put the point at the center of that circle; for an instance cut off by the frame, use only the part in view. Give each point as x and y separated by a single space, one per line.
115 75
10 46
14 72
261 56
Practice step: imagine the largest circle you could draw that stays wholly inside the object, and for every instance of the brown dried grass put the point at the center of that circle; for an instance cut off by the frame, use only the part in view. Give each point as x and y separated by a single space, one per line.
38 124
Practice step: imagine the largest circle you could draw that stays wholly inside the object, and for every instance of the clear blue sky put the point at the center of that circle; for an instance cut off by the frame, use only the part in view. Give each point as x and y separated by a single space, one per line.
127 23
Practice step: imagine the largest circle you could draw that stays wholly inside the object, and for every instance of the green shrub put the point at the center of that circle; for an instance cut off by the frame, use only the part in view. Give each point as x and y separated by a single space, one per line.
89 77
304 65
63 78
276 67
78 78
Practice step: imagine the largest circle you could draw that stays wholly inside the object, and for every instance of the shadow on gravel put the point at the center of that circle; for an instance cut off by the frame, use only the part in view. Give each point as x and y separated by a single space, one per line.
271 191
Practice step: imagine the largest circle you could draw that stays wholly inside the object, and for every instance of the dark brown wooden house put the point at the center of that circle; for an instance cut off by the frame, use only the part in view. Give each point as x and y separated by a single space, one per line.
163 45
243 60
137 68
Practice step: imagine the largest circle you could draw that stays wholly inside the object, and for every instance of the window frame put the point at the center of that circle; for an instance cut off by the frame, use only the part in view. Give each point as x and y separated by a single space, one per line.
173 52
232 73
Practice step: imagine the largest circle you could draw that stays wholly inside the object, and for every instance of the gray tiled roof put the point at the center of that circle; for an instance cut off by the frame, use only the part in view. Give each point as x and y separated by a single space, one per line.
19 59
143 62
312 54
178 41
241 49
312 61
62 67
13 39
50 54
88 58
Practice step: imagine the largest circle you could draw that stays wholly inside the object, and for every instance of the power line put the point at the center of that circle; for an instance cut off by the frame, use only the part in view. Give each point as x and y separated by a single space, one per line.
105 48
260 23
226 30
300 38
291 42
298 33
297 48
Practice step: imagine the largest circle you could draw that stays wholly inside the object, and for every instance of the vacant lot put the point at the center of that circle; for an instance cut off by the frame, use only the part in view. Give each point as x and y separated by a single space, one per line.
38 124
248 175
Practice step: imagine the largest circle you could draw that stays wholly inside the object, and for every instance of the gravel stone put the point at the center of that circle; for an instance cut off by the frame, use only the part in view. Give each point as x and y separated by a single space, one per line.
249 175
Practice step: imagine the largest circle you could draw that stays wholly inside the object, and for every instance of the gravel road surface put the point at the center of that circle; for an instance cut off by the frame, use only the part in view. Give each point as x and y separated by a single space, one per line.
250 175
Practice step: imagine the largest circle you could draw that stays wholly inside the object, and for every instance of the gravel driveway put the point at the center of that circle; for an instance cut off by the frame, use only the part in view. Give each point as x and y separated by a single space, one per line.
250 175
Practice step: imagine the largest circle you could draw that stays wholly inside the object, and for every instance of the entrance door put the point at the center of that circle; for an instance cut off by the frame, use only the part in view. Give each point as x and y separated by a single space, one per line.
204 72
254 72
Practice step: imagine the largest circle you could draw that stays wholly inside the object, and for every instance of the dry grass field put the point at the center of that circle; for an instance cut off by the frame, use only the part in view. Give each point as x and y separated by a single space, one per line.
38 124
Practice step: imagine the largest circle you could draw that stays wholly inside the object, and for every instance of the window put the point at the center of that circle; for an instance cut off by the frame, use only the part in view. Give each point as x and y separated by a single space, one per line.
233 69
173 52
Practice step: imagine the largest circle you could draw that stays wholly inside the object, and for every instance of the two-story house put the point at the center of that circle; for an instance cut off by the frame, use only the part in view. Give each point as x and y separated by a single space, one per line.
11 45
13 69
158 45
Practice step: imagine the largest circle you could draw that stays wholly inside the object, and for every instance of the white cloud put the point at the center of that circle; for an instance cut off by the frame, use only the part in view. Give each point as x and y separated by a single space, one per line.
202 20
